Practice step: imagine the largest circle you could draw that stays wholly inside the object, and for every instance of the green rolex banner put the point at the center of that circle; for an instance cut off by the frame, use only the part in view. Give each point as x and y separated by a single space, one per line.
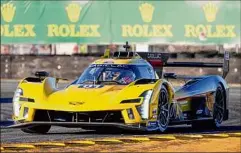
104 22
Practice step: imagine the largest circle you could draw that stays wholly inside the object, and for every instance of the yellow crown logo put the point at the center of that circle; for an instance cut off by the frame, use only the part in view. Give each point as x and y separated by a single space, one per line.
210 11
146 12
73 12
8 12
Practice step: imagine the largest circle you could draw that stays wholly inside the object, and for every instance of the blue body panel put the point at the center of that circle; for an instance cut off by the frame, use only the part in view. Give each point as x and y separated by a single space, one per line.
200 85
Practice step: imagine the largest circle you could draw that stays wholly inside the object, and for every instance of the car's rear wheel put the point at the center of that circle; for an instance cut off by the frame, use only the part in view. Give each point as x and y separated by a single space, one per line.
41 129
219 108
163 109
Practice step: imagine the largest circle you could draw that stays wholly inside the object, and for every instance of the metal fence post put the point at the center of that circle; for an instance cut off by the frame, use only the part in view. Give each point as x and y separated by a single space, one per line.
10 67
237 48
220 49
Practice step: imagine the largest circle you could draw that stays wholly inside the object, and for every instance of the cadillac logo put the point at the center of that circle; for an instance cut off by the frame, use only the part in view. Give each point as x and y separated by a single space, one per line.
76 103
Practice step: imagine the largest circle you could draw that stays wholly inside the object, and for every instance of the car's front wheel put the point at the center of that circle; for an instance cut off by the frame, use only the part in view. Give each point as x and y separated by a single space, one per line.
41 129
163 109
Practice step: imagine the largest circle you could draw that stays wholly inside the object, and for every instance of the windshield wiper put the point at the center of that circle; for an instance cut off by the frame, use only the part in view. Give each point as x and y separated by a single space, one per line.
90 81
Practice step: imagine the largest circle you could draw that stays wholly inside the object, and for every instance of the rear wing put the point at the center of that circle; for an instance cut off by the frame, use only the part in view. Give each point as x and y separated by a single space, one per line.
159 60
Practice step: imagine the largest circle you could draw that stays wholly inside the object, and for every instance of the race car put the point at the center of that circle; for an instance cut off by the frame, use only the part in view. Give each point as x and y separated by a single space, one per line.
127 89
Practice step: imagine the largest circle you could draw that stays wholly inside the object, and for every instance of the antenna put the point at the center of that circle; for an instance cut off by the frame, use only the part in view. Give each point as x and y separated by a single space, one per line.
127 46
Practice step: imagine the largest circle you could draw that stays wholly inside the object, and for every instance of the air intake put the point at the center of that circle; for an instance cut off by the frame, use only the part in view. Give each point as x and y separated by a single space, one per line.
123 55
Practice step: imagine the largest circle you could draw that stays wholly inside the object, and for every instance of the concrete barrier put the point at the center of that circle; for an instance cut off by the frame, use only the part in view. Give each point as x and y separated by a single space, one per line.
70 67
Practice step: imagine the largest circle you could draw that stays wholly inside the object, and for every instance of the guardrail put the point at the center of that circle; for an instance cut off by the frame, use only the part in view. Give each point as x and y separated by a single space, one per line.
4 123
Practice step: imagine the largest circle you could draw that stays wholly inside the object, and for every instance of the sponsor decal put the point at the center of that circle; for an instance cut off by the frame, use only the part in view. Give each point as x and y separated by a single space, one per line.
152 123
8 12
109 65
154 113
73 11
76 103
91 86
154 55
147 29
210 30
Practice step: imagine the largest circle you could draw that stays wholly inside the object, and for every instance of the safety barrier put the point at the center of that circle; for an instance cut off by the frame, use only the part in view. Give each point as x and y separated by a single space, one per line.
6 100
69 67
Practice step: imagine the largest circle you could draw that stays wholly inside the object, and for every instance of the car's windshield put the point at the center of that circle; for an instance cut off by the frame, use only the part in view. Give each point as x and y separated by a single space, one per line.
113 73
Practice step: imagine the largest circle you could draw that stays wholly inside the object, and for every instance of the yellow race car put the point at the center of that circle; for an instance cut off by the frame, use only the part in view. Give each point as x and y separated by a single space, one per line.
127 90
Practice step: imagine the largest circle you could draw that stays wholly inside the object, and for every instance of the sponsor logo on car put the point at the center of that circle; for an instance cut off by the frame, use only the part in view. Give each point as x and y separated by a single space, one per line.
76 102
91 86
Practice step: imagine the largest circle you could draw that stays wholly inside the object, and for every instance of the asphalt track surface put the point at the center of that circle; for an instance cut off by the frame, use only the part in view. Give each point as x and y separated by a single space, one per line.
61 133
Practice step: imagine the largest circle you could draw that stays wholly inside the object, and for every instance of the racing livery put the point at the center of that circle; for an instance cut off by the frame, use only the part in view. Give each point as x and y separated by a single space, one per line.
126 90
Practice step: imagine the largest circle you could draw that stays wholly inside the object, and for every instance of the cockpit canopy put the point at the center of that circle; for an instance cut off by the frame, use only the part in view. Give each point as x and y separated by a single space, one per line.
116 73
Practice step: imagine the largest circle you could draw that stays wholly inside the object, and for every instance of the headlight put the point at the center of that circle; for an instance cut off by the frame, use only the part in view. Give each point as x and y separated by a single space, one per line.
144 108
16 108
16 105
17 94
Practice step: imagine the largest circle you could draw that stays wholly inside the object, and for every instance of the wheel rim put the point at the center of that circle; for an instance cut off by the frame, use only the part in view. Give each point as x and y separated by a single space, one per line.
163 109
218 112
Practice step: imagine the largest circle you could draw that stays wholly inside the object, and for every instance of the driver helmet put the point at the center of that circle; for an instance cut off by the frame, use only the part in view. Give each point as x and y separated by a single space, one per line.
127 77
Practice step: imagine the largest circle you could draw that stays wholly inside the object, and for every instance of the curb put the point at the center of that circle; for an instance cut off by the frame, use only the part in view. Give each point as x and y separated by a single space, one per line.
162 138
115 141
108 141
79 143
134 139
48 145
235 134
17 147
215 135
188 136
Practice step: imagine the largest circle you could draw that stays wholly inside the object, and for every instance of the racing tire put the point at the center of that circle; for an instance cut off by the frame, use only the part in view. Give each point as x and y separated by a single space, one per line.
218 112
163 109
40 129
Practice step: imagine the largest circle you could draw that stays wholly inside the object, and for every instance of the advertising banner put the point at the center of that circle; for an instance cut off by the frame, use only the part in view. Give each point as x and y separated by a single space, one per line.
105 22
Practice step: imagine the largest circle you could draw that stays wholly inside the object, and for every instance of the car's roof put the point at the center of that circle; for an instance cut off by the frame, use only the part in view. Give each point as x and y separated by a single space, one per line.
127 61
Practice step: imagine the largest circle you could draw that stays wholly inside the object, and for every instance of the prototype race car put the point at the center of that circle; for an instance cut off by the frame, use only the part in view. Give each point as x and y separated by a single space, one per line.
127 90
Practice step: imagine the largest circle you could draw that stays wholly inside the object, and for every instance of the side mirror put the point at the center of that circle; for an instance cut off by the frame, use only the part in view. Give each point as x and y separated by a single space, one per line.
41 74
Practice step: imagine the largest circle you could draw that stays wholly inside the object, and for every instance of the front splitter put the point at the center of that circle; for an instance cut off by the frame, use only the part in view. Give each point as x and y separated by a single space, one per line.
78 124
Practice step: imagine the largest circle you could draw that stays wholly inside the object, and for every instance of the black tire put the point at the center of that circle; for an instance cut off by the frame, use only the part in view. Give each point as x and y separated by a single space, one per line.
163 109
218 112
40 129
219 107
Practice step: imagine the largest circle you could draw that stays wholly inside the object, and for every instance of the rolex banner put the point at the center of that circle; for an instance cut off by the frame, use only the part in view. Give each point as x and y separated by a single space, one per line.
104 22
